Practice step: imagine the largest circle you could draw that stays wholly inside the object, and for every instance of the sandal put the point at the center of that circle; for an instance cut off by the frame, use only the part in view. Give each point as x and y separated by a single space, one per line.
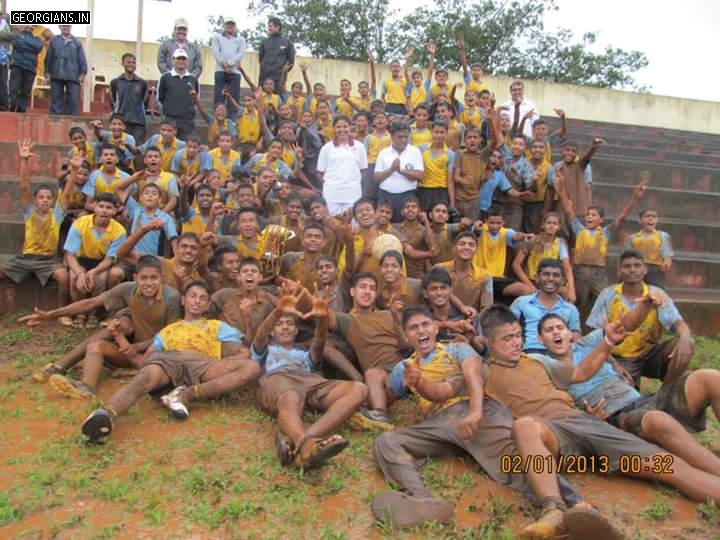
314 452
79 322
283 448
92 322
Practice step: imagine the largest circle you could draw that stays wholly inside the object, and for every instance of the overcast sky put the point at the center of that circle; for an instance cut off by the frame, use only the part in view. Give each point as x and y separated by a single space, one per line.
677 37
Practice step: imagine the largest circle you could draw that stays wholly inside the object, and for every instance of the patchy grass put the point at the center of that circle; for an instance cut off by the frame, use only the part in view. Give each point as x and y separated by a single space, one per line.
216 475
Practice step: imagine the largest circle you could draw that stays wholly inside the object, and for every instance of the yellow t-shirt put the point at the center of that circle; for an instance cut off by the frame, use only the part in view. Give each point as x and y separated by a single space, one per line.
650 245
418 95
541 184
102 185
215 129
92 246
436 168
42 233
436 90
192 336
342 106
590 247
472 117
441 367
167 153
222 164
89 153
538 253
644 337
248 127
477 86
374 143
271 100
420 136
395 90
492 252
363 104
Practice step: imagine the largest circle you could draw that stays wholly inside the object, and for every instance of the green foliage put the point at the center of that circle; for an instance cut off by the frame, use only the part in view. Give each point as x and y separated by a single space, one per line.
506 38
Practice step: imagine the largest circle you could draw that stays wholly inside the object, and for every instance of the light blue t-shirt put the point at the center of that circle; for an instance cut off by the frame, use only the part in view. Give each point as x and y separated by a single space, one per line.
498 180
276 358
529 310
149 244
73 242
458 351
606 383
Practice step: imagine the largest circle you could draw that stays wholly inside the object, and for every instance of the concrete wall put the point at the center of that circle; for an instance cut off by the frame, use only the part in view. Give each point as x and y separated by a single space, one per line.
582 102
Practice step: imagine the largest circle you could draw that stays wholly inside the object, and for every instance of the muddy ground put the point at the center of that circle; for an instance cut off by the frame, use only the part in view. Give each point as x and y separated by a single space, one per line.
215 475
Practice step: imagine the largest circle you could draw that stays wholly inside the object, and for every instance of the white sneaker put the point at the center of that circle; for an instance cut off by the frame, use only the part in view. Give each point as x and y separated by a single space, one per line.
175 403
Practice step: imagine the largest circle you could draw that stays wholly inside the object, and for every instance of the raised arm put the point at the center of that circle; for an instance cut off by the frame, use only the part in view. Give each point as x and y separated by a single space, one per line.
25 153
597 143
306 78
463 57
245 76
638 192
373 79
562 132
615 332
432 48
74 166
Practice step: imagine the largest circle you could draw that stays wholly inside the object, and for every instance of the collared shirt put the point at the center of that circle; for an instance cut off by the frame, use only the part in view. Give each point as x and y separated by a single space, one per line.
341 166
410 160
128 98
529 309
519 171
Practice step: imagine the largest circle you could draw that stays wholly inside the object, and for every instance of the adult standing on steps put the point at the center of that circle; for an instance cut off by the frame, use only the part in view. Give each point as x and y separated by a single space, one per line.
517 107
176 92
228 48
275 51
66 67
179 41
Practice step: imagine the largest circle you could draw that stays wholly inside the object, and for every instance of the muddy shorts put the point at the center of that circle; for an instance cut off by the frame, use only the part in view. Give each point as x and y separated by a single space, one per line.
181 367
671 399
653 363
585 435
22 266
311 389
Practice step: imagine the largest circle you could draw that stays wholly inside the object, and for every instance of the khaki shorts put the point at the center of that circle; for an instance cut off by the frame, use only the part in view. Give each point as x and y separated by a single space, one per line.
671 399
22 266
311 389
182 368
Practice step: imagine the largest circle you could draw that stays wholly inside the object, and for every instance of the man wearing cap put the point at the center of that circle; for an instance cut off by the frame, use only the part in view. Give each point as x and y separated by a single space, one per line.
180 41
176 92
66 67
228 49
275 51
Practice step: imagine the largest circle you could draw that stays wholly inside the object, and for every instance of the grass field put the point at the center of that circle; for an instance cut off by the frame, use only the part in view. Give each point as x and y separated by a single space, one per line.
216 476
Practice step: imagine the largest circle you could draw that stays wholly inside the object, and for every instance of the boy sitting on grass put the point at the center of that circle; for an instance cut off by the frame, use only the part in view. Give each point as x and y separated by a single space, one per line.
289 384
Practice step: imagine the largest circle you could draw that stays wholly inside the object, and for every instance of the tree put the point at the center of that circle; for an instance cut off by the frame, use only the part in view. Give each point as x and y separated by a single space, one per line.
506 36
342 29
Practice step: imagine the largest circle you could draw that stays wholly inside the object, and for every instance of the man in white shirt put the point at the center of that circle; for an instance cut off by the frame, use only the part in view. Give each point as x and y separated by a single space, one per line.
398 169
228 49
517 107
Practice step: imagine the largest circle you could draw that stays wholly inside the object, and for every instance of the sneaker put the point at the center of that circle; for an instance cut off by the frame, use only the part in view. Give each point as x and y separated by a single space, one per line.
98 426
403 510
176 402
42 375
70 387
368 419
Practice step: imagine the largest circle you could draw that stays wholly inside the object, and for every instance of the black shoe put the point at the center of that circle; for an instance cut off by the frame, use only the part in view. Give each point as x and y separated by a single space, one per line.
98 426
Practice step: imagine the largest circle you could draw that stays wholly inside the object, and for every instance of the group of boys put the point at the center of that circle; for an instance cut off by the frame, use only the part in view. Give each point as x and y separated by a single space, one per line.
239 273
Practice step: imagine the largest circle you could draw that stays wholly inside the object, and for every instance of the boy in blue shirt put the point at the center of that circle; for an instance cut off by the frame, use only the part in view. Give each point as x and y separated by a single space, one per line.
289 384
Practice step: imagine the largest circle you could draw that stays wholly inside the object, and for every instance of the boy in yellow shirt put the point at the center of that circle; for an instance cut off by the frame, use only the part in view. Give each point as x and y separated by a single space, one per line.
655 247
392 90
42 233
224 156
439 162
473 76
